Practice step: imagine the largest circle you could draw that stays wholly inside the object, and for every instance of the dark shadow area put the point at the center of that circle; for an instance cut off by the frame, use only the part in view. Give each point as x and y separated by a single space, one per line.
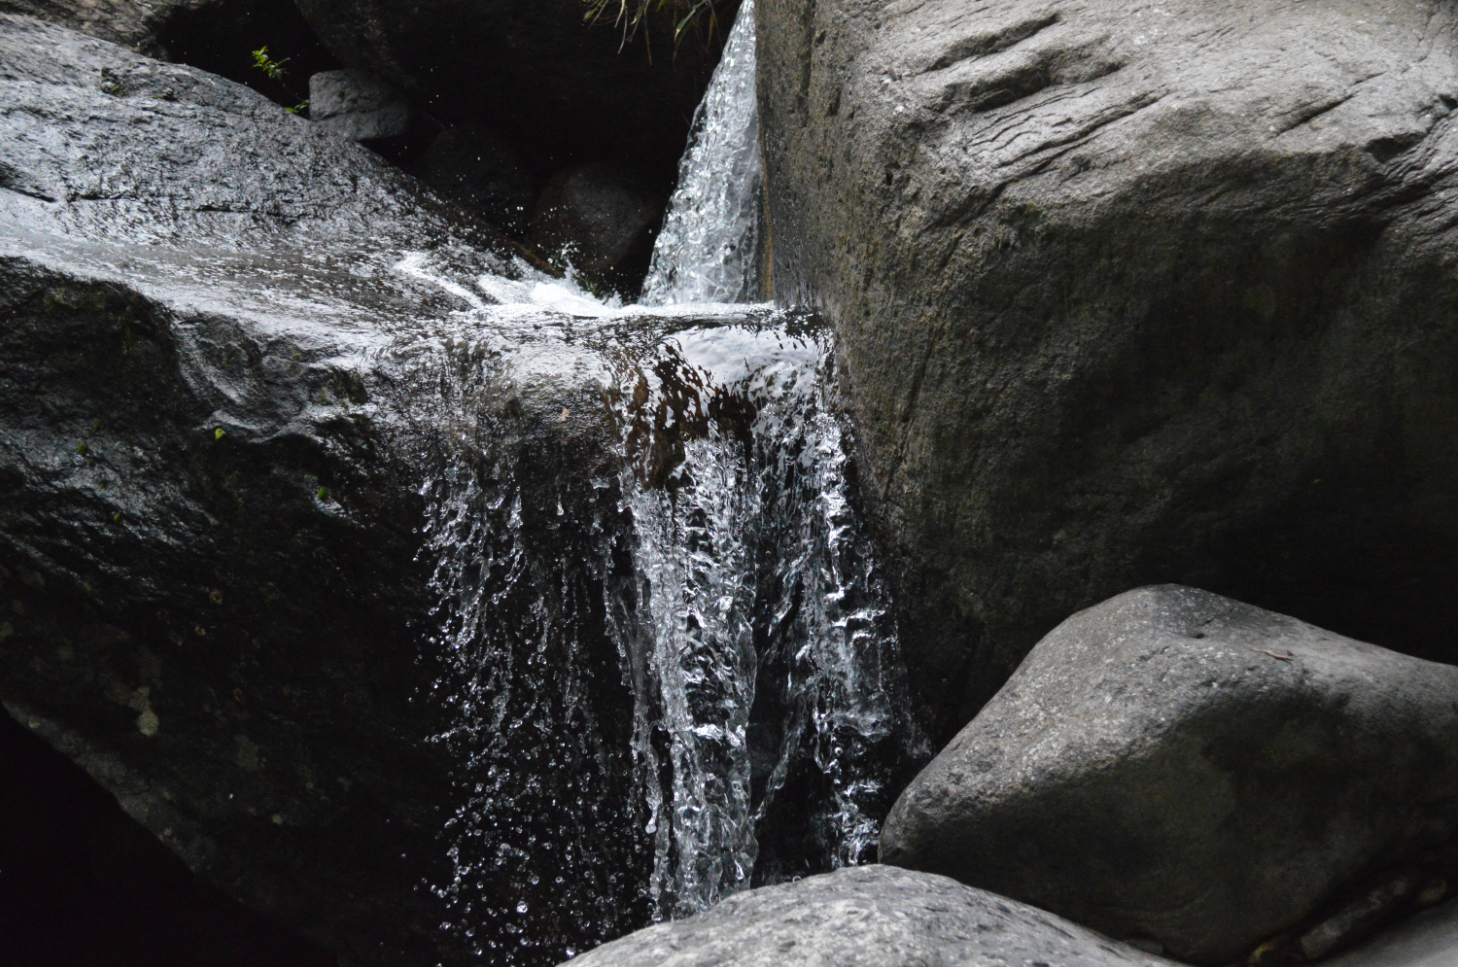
220 38
83 885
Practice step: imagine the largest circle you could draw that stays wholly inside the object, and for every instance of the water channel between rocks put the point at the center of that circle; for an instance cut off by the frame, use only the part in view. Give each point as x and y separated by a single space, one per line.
680 676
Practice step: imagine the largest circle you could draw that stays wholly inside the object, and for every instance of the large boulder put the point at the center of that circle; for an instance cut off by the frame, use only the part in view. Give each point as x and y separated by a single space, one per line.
218 36
869 916
237 386
134 23
1129 294
559 89
1175 765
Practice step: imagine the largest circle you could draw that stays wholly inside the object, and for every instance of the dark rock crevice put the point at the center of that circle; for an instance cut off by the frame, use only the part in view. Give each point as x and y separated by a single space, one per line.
82 883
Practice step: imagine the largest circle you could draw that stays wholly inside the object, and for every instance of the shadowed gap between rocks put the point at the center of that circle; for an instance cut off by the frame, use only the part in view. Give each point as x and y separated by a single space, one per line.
82 883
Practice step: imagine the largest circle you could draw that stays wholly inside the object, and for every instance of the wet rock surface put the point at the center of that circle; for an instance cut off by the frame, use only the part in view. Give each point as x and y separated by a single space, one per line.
133 23
1131 294
211 463
869 916
218 36
599 219
1175 765
559 90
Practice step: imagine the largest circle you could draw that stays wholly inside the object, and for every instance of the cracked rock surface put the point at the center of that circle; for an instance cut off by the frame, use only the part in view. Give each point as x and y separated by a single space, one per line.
1169 290
1176 765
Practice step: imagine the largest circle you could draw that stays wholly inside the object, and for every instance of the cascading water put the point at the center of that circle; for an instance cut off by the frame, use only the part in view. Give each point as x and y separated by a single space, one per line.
769 634
706 251
668 665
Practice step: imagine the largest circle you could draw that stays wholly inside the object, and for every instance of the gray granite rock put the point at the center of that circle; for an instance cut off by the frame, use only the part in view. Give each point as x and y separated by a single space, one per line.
1131 292
358 105
1181 766
869 916
133 23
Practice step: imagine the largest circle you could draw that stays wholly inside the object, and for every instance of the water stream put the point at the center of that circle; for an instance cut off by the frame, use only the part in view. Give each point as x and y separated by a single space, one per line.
667 655
707 249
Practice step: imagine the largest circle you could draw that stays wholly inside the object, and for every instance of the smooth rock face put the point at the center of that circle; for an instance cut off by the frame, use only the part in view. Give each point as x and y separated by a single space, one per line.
869 916
357 105
558 88
1176 765
1130 293
222 396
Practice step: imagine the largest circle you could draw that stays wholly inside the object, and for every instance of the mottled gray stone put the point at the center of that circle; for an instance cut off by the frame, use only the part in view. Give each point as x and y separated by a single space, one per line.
1178 765
134 23
358 105
1131 292
869 916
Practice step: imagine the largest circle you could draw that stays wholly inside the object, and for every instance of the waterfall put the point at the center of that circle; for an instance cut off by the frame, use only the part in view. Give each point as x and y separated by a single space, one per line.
758 592
668 668
706 251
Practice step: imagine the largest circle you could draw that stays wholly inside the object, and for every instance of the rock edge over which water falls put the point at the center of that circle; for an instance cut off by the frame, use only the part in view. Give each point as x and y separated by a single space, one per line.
1176 765
229 374
1128 293
869 916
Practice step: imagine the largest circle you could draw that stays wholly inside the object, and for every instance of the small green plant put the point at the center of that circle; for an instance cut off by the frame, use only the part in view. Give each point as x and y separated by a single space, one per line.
112 83
275 69
323 493
219 433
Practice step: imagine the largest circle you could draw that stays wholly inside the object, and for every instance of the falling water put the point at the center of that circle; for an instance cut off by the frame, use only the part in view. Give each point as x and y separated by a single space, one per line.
667 661
770 637
706 251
